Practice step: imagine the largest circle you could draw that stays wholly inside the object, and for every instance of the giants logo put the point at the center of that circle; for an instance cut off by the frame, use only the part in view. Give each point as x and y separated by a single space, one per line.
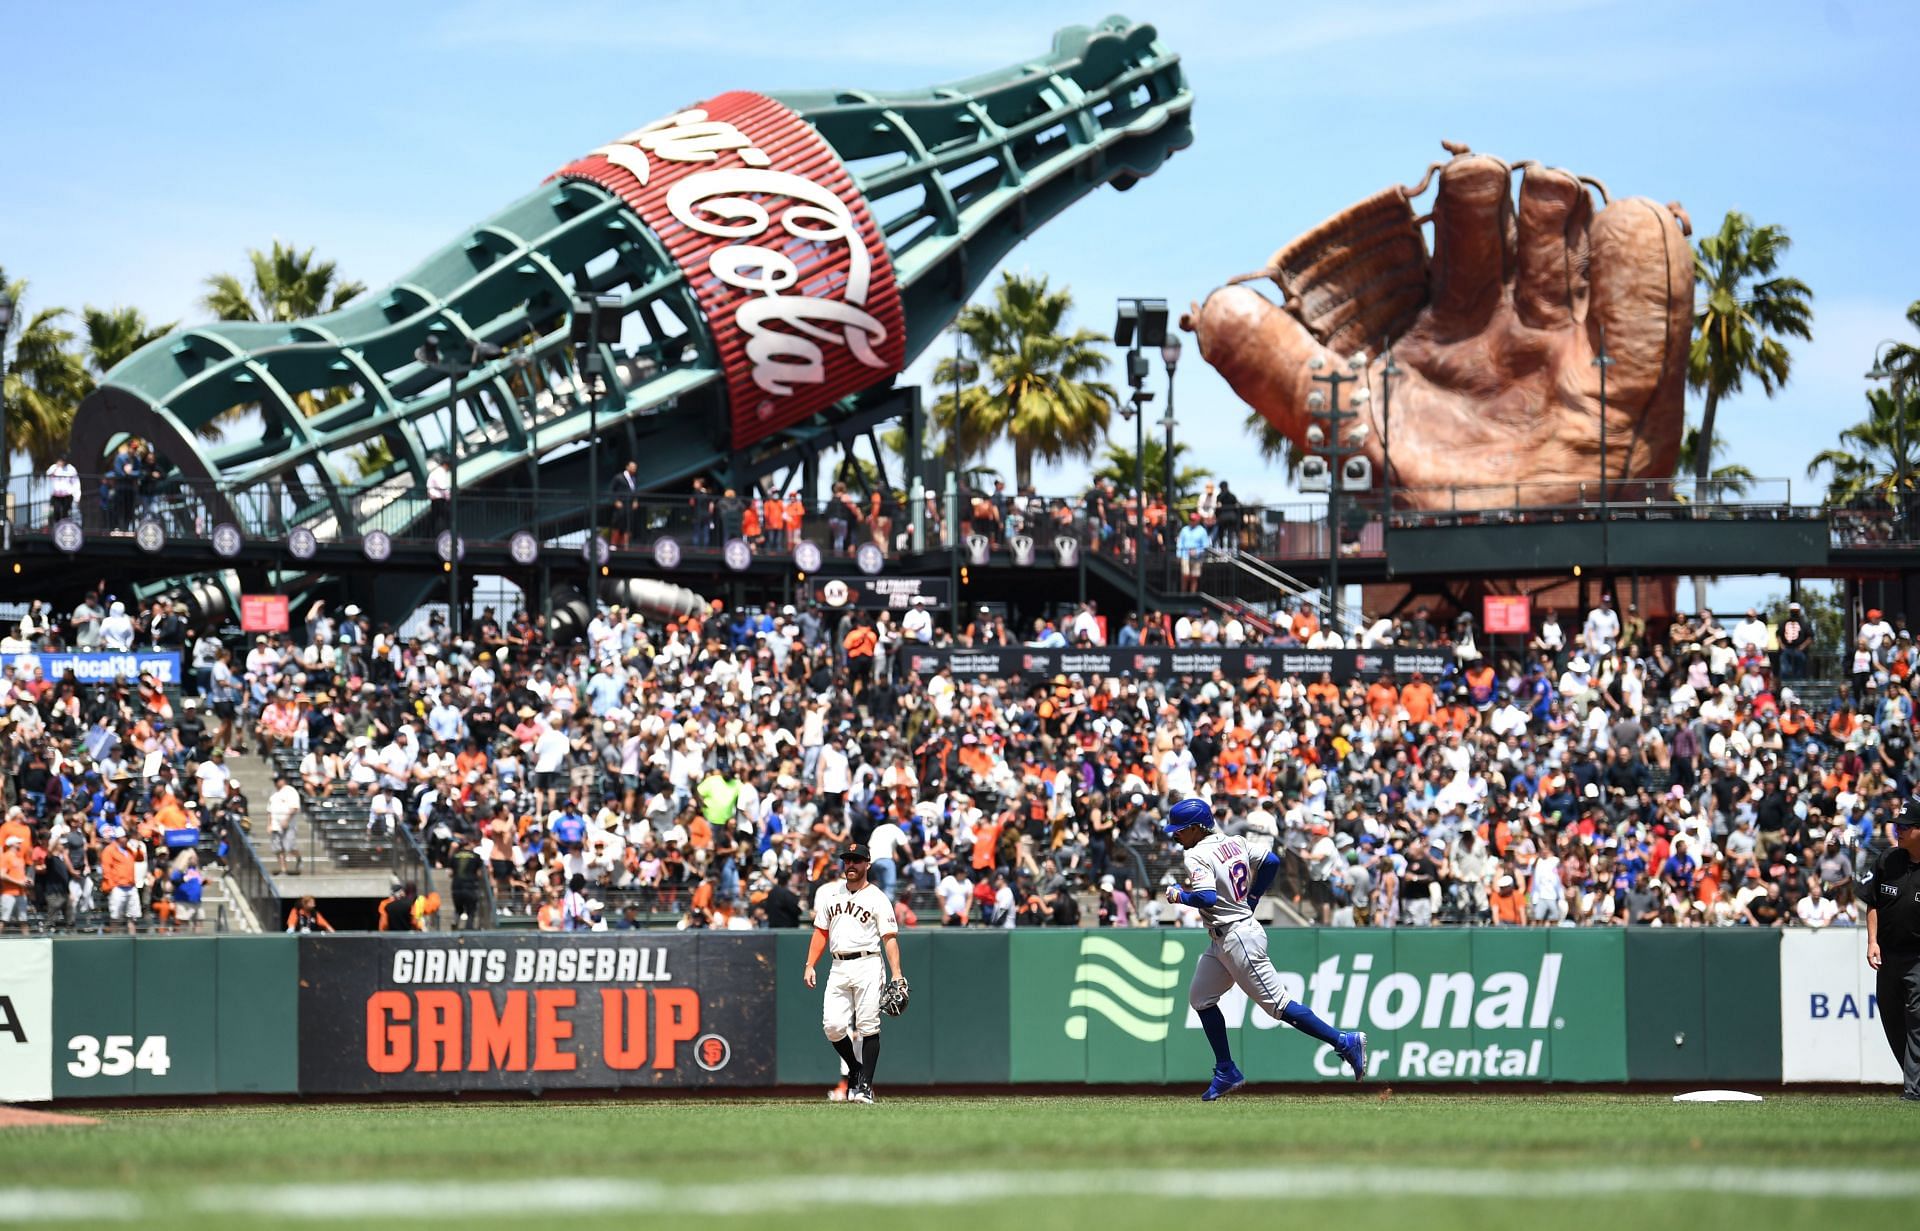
799 319
852 910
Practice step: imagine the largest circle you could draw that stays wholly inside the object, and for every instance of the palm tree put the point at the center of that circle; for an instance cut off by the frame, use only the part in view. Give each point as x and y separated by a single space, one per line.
1902 359
1730 479
1742 311
1118 466
1038 387
1867 465
979 421
288 285
1273 444
45 382
370 459
115 333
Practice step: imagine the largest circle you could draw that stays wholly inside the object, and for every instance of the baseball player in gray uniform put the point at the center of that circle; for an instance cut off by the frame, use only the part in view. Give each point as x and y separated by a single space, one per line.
854 921
1224 884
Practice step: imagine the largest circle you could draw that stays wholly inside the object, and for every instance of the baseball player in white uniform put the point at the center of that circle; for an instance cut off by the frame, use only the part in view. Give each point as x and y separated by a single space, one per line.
854 921
1224 884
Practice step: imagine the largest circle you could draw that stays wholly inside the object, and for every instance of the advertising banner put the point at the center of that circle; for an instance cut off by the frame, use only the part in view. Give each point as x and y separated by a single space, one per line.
263 613
26 1022
1507 613
92 668
1483 1005
1164 662
1829 1015
495 1012
882 593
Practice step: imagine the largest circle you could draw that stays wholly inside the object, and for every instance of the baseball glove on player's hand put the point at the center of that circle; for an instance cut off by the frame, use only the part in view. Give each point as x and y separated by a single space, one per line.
1494 334
893 997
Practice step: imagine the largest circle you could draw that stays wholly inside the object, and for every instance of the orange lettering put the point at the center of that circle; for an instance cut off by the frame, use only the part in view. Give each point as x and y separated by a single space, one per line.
676 1019
550 1030
623 1025
389 1044
439 1031
499 1041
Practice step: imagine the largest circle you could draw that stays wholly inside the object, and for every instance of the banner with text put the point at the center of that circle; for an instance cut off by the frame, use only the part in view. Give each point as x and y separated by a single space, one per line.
26 1022
496 1012
1437 1005
100 668
1829 1015
882 593
1168 661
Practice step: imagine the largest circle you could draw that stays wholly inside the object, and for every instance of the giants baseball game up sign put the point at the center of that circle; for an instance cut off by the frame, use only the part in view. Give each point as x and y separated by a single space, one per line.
778 245
487 1011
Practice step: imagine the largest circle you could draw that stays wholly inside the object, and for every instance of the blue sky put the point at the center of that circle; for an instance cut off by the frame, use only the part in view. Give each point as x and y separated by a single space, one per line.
149 145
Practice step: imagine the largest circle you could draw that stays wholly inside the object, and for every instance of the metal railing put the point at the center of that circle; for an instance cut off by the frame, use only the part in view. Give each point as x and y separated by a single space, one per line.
410 863
247 876
1103 521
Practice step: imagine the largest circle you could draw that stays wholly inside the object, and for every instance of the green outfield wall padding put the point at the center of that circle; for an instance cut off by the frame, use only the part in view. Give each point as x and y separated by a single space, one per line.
971 983
1741 987
93 988
1666 1026
176 997
258 1014
186 1015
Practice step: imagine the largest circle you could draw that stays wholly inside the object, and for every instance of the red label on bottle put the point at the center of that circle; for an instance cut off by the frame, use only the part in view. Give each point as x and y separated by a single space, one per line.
778 245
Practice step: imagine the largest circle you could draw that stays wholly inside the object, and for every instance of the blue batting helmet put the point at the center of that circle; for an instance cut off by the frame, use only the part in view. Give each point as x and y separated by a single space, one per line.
1188 813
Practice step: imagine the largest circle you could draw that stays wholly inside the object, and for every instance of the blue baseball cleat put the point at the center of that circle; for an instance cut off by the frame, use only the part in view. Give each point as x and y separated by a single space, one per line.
1353 1050
1225 1082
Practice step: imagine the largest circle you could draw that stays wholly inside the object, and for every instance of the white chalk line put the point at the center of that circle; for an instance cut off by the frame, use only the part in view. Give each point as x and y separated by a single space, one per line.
588 1195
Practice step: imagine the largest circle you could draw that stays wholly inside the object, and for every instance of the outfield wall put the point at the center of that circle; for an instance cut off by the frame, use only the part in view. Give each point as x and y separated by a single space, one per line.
90 1017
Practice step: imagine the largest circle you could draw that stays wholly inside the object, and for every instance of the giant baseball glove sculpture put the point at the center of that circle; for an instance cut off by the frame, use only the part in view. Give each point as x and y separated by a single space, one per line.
1494 335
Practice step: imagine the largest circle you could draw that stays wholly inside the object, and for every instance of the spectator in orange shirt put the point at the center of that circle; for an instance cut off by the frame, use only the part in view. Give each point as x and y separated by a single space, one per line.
1323 691
1508 902
1382 698
117 874
859 645
16 827
13 882
1417 697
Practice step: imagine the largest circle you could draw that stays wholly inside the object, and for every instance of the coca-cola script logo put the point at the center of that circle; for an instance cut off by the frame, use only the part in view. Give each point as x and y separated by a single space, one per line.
781 251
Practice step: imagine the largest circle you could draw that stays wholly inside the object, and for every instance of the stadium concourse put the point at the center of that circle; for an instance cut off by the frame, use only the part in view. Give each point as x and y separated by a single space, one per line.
705 771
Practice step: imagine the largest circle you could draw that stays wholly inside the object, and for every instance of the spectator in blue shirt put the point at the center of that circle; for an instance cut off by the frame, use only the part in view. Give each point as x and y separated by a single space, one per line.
1192 547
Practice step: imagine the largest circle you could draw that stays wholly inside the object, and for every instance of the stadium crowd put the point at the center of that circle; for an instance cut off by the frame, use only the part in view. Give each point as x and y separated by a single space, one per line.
708 768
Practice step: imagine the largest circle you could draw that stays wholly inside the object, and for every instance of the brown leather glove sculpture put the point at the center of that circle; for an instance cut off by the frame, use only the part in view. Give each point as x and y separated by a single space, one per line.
1494 336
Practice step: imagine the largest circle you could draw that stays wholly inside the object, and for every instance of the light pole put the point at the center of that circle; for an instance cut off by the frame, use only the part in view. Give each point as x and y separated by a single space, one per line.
1139 323
1332 443
596 324
430 357
1603 361
1387 374
1169 355
1898 389
953 484
6 458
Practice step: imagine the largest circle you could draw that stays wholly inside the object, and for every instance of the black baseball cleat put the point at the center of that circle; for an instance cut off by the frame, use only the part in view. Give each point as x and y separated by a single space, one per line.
860 1094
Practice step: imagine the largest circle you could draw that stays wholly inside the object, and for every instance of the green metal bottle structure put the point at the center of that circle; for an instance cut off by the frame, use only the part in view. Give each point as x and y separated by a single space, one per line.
772 259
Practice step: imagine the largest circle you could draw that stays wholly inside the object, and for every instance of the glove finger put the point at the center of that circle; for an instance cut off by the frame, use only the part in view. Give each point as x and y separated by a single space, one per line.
1263 353
1472 241
1358 278
1642 275
1550 285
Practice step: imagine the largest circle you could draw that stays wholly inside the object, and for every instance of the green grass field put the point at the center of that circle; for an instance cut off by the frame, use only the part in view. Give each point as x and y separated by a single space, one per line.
1357 1160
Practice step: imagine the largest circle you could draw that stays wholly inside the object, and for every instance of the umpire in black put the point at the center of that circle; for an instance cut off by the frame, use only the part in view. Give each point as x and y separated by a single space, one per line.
1891 891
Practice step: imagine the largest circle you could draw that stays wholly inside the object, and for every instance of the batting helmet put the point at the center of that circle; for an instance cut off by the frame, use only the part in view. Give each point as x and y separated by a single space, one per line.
1189 812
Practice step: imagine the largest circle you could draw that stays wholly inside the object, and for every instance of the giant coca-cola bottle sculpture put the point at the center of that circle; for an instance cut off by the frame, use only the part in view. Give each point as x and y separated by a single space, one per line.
770 256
